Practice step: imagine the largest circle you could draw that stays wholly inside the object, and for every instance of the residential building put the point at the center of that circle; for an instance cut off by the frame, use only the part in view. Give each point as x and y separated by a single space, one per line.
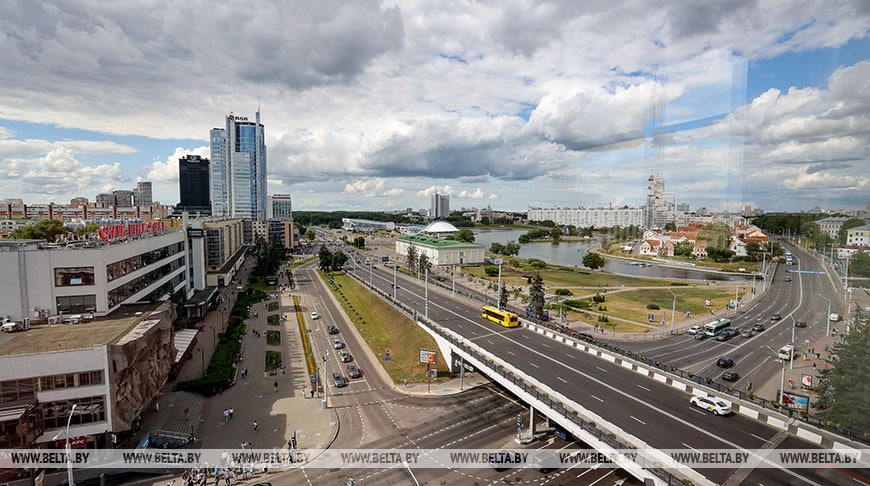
831 225
123 198
194 184
238 169
142 194
279 206
858 236
660 205
581 217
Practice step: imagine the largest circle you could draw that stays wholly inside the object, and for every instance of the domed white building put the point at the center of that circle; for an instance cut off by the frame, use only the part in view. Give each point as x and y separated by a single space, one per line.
434 242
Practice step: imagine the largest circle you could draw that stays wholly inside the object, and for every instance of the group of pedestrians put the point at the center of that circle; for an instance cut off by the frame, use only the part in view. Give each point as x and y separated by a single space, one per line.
228 414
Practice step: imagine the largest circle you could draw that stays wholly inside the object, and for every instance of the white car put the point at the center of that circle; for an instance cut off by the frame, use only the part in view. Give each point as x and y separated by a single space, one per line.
712 404
694 330
315 316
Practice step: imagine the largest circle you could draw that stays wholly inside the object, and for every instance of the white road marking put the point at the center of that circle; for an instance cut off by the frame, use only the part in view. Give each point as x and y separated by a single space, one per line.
639 420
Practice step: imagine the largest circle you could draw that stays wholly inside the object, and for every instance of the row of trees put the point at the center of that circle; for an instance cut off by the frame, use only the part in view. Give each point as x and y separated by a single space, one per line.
50 230
329 261
418 262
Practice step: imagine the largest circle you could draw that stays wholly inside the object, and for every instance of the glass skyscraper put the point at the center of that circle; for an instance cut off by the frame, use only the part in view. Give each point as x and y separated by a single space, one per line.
238 169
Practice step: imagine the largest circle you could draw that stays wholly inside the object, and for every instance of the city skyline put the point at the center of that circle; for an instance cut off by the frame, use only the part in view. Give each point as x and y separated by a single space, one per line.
378 107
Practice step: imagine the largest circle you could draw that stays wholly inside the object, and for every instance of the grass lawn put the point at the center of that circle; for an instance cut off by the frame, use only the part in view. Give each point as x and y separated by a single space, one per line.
273 306
385 328
565 277
273 338
273 320
273 360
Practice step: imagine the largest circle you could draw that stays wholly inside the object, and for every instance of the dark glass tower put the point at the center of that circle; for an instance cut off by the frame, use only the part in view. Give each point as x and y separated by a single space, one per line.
194 184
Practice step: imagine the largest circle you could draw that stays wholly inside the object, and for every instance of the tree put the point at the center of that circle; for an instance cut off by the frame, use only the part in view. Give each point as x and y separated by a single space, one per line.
536 295
593 260
87 229
359 242
556 234
339 258
423 263
324 257
464 235
670 227
46 229
502 297
309 235
843 387
496 247
683 249
859 265
412 256
512 248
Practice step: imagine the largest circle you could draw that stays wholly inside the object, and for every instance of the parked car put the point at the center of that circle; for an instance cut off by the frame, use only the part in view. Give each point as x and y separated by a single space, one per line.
730 376
332 330
344 356
338 380
353 371
701 335
337 344
747 333
800 324
788 278
775 317
725 362
834 317
695 330
315 316
712 404
759 327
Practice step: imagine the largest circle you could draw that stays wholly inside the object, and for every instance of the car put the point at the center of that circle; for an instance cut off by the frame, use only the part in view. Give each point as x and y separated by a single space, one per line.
712 404
788 278
725 362
800 324
353 371
775 317
332 330
730 376
747 333
695 330
699 336
344 356
727 333
315 316
368 262
240 287
759 327
337 344
338 380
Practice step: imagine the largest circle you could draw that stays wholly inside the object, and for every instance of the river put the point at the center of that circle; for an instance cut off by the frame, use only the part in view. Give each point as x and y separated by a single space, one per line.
571 253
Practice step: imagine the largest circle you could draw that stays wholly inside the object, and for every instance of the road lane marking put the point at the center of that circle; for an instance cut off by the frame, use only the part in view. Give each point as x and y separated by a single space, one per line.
569 355
643 388
639 420
511 353
563 380
759 438
599 399
533 364
601 369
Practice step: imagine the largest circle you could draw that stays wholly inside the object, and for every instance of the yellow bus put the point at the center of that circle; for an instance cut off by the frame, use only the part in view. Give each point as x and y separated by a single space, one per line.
505 318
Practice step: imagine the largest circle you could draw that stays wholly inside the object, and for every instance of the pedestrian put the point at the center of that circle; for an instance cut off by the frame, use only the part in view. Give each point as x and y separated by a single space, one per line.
749 386
256 426
226 415
156 406
186 413
232 410
405 382
312 393
276 386
814 365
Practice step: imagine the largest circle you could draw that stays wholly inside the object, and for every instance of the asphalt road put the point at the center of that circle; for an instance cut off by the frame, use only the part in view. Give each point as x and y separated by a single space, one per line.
657 414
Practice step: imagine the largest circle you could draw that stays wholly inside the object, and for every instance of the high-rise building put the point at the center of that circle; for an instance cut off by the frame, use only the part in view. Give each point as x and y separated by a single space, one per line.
78 201
659 204
279 206
142 194
238 169
123 198
193 184
440 206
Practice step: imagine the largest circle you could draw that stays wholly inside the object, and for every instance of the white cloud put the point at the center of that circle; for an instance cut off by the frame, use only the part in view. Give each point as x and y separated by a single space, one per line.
476 194
167 170
429 191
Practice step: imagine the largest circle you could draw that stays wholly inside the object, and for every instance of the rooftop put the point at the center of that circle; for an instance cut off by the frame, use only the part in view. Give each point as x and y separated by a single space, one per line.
66 337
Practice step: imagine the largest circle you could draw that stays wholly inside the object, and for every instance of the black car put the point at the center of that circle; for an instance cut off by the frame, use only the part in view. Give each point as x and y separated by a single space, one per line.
585 337
775 317
725 362
332 330
730 376
800 324
758 327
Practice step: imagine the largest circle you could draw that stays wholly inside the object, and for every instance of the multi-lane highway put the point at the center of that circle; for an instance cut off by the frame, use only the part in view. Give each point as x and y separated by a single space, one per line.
657 414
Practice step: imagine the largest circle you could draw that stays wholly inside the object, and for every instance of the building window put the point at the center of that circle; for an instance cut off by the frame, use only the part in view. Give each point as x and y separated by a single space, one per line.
91 378
56 382
88 410
17 390
66 277
76 304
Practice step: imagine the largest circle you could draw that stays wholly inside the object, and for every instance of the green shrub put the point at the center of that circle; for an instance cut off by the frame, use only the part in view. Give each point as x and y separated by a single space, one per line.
578 304
221 370
273 338
273 360
491 270
273 306
563 292
652 306
273 320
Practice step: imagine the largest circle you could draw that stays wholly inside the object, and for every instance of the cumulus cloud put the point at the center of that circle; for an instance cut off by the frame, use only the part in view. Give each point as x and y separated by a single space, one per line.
167 170
58 173
429 191
476 194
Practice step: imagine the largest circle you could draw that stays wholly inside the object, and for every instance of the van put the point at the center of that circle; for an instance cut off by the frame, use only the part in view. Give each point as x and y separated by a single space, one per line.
834 317
786 352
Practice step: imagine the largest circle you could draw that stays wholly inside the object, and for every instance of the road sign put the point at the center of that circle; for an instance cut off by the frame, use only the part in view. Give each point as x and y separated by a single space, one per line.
427 356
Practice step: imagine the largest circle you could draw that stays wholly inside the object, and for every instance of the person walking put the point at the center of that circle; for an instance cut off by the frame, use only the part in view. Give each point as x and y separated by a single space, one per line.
256 426
232 411
276 386
226 415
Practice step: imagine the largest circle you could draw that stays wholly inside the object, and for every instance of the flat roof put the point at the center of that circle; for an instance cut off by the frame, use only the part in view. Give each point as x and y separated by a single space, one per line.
67 337
437 242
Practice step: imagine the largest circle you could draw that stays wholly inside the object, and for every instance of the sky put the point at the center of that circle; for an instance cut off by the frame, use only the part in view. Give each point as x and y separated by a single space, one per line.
375 106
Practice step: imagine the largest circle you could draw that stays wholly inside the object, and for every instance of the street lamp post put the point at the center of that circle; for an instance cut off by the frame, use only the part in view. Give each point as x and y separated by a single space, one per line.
202 356
827 317
69 469
498 261
673 308
426 287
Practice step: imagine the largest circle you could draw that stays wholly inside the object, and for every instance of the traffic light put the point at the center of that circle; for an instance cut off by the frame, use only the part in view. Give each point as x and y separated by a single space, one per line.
519 420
